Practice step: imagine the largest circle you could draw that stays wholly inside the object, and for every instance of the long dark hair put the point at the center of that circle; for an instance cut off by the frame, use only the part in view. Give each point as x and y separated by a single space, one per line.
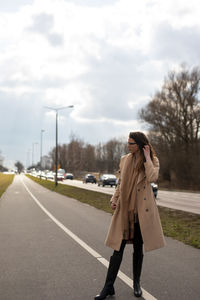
141 140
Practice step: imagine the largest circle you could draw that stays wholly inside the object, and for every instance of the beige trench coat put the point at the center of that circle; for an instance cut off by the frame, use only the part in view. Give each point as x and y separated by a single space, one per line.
148 214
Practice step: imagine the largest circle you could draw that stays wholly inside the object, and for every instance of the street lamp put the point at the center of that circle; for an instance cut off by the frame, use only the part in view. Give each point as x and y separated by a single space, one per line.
56 158
42 130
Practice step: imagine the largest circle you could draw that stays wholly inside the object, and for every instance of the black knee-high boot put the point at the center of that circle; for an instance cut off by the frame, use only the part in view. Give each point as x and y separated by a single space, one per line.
114 265
137 268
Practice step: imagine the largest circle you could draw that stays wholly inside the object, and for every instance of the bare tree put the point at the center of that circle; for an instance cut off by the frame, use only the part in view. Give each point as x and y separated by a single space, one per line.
88 158
100 158
19 166
173 115
63 156
114 150
2 168
74 156
1 159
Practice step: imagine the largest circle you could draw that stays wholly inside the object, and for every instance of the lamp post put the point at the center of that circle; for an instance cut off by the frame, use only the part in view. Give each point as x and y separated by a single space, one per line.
56 156
42 130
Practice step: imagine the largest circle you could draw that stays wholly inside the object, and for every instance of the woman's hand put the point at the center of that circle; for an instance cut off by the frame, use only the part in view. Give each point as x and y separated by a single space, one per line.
113 205
146 150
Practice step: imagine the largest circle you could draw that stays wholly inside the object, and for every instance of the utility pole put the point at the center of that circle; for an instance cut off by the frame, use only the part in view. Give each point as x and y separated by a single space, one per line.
42 130
56 154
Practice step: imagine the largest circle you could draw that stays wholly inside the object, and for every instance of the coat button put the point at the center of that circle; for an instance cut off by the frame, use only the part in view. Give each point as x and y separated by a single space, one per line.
147 209
144 198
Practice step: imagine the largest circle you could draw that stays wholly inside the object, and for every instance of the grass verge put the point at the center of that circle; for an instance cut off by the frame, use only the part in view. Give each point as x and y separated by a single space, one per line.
5 181
180 225
96 199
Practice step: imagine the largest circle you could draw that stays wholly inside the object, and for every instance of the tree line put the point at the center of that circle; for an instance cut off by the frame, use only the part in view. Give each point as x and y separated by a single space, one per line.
2 168
77 157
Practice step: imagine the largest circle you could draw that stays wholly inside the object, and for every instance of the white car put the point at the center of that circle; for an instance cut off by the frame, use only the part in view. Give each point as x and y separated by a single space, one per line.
50 175
60 176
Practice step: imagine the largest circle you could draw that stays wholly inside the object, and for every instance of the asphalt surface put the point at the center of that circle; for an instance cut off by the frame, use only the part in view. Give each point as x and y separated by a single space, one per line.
185 201
39 261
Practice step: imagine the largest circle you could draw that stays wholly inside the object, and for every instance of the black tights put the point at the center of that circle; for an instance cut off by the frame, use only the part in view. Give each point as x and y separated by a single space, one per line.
137 243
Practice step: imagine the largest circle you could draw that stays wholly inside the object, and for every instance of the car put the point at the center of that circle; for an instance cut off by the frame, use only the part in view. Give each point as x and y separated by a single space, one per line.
50 175
107 179
155 189
60 176
69 176
89 178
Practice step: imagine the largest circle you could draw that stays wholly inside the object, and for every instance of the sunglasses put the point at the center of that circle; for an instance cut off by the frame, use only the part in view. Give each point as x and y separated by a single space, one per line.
132 143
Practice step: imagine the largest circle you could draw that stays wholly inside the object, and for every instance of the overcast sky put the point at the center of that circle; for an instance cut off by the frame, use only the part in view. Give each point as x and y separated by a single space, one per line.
105 57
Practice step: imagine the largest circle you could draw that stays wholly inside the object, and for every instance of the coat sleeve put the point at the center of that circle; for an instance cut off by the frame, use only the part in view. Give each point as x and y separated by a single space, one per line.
116 194
115 197
152 169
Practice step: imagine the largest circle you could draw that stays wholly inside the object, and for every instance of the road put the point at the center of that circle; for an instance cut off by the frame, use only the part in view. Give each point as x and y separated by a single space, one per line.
189 202
52 248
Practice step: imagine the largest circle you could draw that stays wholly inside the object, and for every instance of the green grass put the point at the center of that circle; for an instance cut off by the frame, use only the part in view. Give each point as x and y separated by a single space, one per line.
180 225
96 199
5 181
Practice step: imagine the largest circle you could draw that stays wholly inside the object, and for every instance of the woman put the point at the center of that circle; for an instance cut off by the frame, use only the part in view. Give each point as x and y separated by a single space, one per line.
136 219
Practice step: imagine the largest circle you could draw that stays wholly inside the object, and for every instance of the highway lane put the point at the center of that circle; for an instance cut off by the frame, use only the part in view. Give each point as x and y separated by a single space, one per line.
39 261
89 186
189 202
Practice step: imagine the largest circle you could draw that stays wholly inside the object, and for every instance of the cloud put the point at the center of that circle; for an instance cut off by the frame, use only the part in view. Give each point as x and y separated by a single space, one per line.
92 2
11 6
43 24
176 44
106 57
118 85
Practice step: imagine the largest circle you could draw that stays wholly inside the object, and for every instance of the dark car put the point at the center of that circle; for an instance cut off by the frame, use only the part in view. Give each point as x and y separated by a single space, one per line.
107 179
155 189
89 178
69 176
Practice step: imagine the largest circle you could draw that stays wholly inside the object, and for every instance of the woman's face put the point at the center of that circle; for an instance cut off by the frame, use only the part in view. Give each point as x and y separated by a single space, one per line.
132 146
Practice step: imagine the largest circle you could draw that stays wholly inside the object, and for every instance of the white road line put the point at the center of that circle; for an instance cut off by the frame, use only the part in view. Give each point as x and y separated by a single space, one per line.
95 254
